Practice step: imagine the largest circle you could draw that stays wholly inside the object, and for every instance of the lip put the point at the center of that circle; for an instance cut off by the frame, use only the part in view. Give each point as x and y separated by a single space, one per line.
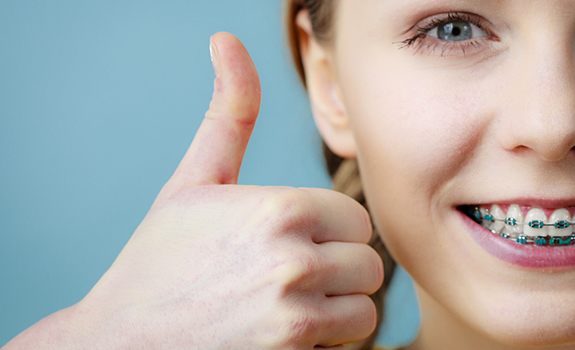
529 256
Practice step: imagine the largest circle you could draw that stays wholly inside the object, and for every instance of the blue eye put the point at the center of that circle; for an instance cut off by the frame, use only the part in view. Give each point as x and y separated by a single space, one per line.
455 31
450 34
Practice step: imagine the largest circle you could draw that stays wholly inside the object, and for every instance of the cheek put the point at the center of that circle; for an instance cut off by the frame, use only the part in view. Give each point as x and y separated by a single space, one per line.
420 129
414 133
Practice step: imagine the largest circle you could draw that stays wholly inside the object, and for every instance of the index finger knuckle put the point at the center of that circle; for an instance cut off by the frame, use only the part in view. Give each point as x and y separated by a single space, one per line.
289 210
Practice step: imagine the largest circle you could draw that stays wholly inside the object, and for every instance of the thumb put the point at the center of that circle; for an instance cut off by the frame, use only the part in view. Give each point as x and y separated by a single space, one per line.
217 150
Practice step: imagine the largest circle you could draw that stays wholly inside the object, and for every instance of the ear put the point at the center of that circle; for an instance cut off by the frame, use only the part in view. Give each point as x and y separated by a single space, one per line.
326 101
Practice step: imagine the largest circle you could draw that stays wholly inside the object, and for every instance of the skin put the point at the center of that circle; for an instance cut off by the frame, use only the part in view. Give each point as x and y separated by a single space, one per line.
430 132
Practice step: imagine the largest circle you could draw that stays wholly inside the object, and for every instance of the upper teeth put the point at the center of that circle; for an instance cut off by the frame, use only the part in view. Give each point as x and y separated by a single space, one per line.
514 219
534 223
535 219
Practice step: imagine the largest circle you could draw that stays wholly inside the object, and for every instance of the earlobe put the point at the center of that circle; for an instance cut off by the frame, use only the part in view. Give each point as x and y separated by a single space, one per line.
327 104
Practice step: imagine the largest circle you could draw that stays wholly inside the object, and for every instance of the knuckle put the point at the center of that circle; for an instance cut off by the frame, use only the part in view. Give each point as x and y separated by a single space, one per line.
301 327
289 209
279 201
231 127
330 320
213 114
308 263
299 272
295 328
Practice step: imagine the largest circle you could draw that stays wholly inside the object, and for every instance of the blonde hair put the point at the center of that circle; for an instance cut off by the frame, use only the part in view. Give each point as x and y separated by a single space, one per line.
344 172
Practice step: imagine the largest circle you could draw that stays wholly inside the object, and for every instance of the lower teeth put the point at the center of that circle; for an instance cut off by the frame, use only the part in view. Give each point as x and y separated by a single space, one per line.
487 221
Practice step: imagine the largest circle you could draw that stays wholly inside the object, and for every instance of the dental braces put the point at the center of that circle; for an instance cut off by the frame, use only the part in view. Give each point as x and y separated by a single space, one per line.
542 240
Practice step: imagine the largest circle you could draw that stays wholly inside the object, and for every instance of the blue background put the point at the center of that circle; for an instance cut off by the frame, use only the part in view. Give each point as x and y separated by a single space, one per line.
98 102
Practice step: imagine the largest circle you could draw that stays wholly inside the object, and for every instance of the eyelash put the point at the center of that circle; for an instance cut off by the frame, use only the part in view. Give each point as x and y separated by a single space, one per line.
418 41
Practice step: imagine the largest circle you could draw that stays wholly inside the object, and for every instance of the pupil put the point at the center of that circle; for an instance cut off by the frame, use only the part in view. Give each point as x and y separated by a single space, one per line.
455 31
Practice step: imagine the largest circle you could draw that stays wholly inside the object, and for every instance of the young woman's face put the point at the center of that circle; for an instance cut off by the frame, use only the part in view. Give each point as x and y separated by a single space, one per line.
480 110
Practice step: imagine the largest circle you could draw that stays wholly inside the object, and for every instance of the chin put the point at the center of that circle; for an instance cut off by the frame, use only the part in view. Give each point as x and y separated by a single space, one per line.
528 321
529 336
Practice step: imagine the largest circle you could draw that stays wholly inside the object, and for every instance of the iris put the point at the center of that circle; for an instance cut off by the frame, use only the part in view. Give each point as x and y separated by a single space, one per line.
455 31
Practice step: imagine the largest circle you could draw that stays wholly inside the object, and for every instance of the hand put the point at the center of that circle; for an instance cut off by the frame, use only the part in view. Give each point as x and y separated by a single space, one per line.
216 265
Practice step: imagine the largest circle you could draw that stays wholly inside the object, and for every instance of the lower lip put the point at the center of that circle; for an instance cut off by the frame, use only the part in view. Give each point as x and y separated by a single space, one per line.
524 255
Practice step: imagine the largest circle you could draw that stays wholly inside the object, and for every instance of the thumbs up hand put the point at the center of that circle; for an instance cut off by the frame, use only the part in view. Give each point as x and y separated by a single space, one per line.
217 265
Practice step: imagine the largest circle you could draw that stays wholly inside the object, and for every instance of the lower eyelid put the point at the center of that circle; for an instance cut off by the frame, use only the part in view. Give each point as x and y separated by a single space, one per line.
433 46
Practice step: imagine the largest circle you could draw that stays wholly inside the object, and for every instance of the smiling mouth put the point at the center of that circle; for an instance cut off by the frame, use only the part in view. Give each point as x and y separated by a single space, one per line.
525 225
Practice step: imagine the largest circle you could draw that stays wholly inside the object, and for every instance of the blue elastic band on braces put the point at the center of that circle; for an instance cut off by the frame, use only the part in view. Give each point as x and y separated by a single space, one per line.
545 240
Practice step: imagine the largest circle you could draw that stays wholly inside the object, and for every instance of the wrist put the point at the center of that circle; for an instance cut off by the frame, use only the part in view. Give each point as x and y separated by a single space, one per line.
66 329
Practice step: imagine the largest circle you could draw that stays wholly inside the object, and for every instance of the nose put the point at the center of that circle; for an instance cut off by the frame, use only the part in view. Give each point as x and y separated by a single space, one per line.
540 113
